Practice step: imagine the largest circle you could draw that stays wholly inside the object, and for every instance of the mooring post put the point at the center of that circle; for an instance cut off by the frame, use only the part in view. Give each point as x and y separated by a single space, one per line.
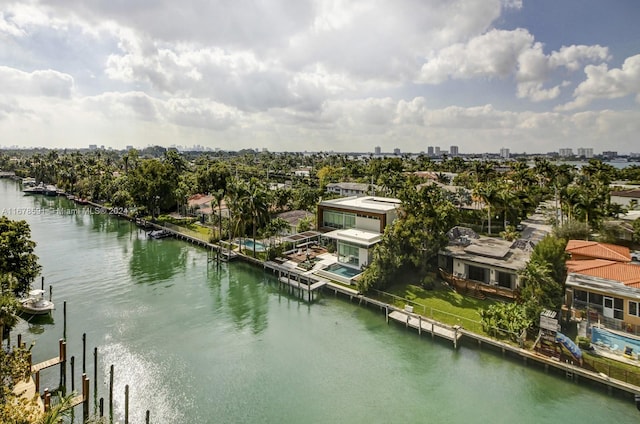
64 320
101 407
386 314
85 397
19 340
47 400
42 283
73 360
146 418
95 372
63 363
111 392
37 382
419 325
126 404
84 353
50 292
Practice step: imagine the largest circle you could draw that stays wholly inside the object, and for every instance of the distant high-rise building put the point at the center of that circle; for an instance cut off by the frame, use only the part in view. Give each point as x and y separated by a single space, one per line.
587 152
566 152
430 150
396 151
436 151
610 154
377 150
93 146
504 153
453 151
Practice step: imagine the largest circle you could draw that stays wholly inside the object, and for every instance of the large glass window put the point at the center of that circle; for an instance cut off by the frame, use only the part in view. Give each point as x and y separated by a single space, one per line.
618 305
633 308
504 279
338 220
348 254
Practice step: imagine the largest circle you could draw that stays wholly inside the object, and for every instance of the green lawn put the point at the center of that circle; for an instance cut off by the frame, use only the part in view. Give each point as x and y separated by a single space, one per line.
441 303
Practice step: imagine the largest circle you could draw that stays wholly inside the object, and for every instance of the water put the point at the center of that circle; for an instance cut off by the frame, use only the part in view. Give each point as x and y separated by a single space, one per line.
342 270
248 244
198 344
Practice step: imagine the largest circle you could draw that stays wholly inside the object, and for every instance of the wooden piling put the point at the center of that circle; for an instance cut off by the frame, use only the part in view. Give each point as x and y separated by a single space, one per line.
63 362
126 404
47 400
64 320
111 392
50 292
84 353
146 418
95 371
85 397
37 381
101 407
19 340
42 283
73 360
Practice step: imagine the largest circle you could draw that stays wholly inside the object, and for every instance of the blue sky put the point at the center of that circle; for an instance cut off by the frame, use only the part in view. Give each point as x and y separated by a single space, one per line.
322 75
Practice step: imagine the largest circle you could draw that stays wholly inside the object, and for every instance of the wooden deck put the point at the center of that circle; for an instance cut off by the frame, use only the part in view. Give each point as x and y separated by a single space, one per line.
430 326
477 289
45 364
304 285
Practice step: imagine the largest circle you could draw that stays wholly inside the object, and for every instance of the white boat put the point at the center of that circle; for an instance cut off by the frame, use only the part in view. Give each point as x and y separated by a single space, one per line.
36 304
158 234
34 189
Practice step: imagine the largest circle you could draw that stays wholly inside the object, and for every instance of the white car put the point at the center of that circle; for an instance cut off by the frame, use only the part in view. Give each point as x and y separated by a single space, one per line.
635 256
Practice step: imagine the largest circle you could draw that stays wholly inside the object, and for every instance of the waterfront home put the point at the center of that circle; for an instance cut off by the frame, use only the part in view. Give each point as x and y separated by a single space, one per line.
293 218
350 189
355 224
603 285
489 265
629 199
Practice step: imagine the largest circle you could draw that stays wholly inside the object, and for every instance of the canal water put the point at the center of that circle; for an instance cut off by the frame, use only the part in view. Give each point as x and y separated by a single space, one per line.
198 343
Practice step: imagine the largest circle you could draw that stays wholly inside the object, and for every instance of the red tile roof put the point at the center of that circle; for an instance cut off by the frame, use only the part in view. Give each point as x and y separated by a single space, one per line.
581 249
628 274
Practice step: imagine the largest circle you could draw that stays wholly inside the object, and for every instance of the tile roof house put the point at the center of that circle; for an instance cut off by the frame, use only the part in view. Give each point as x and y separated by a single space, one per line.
602 279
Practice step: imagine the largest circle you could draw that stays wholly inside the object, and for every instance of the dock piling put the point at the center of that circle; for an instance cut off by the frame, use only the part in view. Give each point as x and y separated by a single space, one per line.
73 360
126 404
84 353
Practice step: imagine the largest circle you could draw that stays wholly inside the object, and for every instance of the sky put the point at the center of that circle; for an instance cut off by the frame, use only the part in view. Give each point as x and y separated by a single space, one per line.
533 76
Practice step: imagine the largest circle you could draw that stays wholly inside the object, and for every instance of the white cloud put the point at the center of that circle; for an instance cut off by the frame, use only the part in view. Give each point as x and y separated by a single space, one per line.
604 83
48 83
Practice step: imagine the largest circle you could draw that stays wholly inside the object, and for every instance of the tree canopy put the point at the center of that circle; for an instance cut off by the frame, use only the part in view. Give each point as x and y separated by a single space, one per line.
17 257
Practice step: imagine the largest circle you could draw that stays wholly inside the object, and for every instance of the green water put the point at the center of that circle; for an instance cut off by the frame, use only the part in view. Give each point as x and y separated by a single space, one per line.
199 344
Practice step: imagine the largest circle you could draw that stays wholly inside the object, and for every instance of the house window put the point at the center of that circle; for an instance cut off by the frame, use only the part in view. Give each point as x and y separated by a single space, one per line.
633 308
580 295
477 274
348 254
338 220
504 279
618 306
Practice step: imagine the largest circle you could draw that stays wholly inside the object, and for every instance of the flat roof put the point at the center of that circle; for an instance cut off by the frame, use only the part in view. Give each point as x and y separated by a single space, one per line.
355 236
490 251
364 203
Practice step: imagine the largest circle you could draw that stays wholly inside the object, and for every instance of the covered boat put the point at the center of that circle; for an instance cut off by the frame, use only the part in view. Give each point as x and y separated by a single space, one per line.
36 304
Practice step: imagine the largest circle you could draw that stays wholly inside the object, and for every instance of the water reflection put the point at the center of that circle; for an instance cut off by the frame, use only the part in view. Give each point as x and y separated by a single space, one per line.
37 323
246 298
153 261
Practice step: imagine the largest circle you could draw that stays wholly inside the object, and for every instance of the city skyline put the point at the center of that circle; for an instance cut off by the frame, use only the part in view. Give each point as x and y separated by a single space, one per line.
319 75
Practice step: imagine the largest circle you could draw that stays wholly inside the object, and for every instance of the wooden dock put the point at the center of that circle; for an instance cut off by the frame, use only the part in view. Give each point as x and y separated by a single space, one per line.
421 323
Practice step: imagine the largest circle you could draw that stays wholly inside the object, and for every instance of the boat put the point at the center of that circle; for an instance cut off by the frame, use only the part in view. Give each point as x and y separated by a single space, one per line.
36 304
34 189
159 234
50 190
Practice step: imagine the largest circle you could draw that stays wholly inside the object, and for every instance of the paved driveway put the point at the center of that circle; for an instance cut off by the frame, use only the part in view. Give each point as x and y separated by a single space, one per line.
535 228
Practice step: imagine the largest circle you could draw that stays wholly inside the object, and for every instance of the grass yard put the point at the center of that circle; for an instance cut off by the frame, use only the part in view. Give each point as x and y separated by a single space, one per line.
441 303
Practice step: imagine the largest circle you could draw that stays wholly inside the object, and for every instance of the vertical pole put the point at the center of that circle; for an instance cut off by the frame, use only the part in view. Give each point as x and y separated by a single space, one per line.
146 419
85 397
50 292
84 352
19 340
101 407
111 392
63 363
95 373
419 325
386 314
47 400
64 320
42 283
73 360
37 382
126 404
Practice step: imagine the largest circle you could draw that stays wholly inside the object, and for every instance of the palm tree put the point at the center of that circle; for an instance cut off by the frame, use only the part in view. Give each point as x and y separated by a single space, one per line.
488 192
257 208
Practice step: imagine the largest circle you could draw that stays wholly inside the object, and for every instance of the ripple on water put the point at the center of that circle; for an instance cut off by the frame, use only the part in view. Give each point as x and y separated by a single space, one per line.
150 385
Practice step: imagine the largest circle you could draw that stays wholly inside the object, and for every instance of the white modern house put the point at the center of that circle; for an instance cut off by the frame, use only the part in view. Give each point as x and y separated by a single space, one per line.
355 224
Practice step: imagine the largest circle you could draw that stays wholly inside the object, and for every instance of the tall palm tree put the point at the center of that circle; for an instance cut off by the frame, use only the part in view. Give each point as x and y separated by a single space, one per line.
488 192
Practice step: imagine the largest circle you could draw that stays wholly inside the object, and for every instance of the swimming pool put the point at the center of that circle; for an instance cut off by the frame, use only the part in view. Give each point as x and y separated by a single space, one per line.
613 341
342 270
248 244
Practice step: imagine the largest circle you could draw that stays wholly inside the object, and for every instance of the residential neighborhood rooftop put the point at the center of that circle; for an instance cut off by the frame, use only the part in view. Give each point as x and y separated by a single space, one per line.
582 249
364 203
